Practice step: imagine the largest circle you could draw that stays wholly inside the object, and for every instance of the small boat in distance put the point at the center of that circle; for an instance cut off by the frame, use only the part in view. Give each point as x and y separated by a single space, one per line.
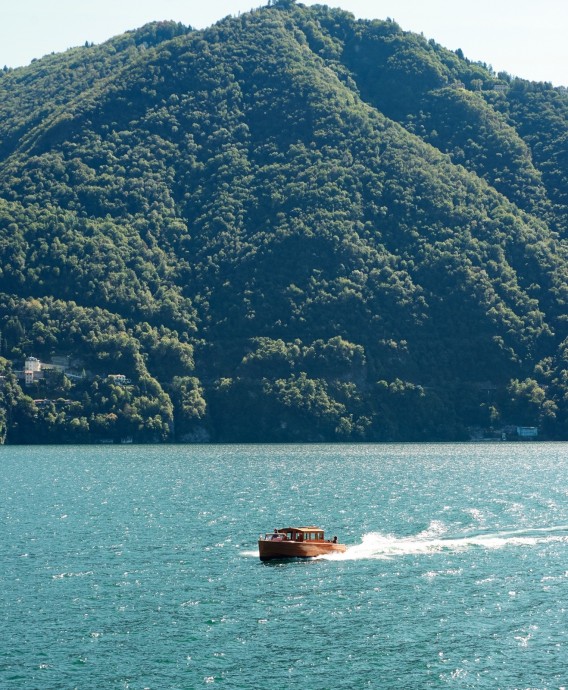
297 542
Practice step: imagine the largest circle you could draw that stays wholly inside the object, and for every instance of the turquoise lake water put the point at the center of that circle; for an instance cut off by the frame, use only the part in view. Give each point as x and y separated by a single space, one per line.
137 567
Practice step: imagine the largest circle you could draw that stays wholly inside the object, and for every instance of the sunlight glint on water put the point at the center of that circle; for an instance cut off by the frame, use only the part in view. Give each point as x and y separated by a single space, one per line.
137 567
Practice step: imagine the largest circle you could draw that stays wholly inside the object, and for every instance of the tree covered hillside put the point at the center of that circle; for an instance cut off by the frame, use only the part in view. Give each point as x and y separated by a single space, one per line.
291 226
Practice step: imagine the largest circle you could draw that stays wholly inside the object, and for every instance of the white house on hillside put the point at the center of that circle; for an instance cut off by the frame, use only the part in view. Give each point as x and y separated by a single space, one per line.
32 370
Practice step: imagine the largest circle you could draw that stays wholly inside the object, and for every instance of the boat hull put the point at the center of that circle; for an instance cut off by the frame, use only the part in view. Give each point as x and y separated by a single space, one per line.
275 550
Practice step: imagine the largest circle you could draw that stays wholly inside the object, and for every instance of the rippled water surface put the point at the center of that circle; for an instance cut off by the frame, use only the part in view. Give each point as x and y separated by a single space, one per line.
137 567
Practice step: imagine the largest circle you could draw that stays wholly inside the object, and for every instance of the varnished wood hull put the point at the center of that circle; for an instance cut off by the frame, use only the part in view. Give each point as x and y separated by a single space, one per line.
269 550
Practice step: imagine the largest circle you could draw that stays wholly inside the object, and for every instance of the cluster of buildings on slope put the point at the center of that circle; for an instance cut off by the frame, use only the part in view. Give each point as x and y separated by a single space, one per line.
35 370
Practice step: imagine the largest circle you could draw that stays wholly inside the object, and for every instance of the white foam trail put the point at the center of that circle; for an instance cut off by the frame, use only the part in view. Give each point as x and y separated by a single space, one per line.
250 554
375 545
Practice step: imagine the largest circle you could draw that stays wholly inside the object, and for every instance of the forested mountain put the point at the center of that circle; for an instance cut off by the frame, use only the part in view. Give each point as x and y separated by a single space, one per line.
291 226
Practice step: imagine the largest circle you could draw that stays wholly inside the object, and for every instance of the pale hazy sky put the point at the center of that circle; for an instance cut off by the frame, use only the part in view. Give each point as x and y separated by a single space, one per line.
527 38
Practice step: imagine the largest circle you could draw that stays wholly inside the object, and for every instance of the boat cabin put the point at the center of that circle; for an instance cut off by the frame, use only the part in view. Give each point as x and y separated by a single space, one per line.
307 534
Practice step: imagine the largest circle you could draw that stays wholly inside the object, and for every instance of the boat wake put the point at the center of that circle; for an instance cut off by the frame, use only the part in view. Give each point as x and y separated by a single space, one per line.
375 545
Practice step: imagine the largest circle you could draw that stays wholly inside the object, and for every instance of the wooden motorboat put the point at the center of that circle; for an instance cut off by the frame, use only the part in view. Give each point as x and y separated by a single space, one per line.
297 542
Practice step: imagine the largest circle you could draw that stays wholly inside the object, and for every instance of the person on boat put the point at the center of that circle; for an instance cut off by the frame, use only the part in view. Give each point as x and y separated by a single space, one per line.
335 540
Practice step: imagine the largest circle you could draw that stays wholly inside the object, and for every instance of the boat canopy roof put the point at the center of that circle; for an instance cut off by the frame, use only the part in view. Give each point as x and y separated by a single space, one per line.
301 529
